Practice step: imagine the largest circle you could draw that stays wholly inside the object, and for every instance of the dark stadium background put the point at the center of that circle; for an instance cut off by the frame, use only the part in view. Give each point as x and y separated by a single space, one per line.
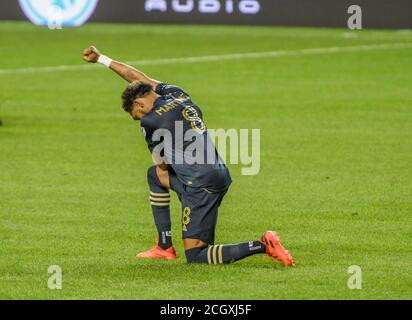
320 13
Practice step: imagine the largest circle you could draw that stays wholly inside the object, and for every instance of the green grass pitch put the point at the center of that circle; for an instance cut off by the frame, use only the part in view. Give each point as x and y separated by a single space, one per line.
335 179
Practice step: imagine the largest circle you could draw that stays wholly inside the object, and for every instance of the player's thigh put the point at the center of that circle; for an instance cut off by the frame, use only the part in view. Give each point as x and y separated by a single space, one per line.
176 185
199 214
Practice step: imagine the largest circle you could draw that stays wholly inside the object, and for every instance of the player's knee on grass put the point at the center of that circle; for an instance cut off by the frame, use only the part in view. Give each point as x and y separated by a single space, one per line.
194 255
195 250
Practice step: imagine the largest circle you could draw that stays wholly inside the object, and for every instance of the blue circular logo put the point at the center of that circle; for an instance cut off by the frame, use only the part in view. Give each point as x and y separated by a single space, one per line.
69 13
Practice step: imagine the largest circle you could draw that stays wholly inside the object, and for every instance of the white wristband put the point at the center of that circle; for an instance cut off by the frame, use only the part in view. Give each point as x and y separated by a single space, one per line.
104 60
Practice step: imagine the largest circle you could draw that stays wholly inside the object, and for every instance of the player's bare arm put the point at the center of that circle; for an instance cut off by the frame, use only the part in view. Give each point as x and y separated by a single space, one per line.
130 74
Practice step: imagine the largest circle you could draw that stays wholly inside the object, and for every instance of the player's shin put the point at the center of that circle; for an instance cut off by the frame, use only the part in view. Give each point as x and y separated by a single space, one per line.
160 202
221 254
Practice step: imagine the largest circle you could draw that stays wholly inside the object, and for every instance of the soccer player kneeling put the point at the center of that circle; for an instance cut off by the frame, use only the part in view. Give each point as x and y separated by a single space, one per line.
200 186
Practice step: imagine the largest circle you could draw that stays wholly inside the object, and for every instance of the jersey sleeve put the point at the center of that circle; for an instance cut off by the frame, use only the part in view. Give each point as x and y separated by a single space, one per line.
165 88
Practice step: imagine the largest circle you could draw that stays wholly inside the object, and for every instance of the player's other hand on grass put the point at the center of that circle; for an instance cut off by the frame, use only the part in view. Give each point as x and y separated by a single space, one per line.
91 54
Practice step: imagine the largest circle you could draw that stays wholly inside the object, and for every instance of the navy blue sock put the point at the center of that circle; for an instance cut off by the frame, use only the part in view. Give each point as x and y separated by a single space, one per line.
165 239
221 254
160 202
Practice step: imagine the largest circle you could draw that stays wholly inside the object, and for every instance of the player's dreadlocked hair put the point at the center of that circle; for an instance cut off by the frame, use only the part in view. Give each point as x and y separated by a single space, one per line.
132 92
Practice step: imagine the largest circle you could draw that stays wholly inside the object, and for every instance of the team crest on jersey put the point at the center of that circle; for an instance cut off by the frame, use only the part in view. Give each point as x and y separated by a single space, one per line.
71 12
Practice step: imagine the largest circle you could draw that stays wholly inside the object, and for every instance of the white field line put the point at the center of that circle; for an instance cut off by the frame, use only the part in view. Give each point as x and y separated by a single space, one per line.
223 57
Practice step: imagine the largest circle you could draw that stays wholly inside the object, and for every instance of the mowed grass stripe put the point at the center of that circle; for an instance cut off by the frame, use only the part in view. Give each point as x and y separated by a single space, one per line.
223 57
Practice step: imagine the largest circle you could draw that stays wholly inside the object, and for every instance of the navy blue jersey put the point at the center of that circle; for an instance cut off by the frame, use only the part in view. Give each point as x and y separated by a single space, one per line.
176 135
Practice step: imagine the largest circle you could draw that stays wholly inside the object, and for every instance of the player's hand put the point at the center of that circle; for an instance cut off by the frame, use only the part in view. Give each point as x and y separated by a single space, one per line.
91 54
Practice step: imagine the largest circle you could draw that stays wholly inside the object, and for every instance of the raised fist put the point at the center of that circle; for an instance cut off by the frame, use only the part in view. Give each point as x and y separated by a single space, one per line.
91 54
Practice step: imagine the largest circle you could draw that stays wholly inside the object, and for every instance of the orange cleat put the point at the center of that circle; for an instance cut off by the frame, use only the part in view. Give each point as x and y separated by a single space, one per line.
158 253
275 250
